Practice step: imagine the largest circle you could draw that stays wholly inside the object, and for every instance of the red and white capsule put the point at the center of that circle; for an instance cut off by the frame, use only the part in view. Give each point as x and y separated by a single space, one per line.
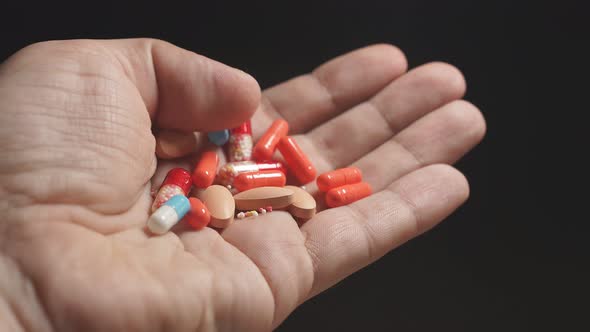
228 172
240 143
177 182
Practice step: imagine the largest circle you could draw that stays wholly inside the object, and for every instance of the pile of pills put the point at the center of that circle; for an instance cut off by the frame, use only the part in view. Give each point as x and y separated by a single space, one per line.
251 184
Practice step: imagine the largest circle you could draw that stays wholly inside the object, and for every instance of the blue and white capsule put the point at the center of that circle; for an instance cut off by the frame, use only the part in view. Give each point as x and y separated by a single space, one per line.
219 138
169 214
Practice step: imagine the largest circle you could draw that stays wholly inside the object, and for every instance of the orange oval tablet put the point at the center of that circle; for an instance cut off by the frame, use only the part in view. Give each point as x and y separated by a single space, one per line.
304 205
338 178
296 160
264 197
198 216
249 180
347 194
204 173
265 147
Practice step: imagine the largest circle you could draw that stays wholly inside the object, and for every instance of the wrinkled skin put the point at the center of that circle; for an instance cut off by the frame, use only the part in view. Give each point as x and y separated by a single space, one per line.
77 159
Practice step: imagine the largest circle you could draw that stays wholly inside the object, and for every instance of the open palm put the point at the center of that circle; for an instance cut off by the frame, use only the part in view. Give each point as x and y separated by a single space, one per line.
77 159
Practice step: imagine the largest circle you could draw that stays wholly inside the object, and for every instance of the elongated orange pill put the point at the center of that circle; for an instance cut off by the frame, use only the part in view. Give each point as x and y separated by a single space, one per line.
249 180
266 145
296 160
338 178
347 194
198 216
206 169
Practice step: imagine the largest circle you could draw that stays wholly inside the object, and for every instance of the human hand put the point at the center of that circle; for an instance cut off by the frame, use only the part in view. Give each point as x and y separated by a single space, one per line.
77 156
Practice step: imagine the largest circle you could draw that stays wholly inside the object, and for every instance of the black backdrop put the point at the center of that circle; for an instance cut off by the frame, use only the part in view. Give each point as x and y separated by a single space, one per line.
512 258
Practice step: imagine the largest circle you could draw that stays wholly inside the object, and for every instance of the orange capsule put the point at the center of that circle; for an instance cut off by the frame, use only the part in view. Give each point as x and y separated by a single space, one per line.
198 216
205 171
272 178
338 178
347 194
264 149
296 160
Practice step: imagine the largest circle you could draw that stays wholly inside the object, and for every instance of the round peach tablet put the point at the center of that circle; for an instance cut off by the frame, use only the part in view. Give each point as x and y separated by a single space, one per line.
220 203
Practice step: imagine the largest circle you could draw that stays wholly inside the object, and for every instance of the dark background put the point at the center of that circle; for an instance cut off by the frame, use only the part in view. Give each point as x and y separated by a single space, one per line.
514 257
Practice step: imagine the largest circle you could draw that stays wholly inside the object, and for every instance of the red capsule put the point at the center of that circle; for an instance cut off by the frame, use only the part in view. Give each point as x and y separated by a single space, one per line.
273 178
296 160
230 171
265 148
338 178
180 177
347 194
244 128
206 169
198 216
177 182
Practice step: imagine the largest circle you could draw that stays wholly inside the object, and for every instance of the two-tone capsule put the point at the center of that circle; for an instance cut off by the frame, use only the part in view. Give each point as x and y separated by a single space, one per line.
177 182
296 160
228 172
206 169
249 180
266 145
338 178
168 215
240 143
347 194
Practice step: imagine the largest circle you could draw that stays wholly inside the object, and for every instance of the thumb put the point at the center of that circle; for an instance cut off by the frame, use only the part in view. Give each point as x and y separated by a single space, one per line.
186 91
83 106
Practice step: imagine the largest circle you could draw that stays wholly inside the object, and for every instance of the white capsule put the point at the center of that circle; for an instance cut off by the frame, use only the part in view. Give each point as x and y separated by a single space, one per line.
168 215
